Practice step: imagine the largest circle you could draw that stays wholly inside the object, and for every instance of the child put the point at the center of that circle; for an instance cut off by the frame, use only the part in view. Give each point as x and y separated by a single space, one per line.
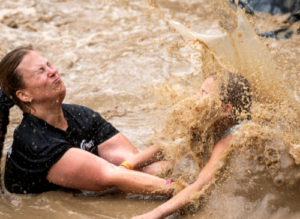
235 93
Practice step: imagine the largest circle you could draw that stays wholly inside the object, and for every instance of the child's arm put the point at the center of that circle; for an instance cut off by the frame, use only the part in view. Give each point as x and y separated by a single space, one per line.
183 198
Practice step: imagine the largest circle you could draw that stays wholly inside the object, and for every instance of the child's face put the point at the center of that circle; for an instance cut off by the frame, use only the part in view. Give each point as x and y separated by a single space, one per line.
206 88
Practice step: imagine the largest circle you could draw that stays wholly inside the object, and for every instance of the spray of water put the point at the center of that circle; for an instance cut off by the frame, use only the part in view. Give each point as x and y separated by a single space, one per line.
264 153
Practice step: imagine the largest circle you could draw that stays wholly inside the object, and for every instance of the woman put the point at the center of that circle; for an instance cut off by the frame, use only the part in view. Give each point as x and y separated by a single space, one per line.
59 145
236 99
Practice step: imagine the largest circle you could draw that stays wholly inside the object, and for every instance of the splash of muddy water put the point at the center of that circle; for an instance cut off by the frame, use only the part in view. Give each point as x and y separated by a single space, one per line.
109 53
258 174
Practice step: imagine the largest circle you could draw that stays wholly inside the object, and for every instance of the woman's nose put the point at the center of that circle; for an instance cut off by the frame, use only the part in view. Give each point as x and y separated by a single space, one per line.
52 72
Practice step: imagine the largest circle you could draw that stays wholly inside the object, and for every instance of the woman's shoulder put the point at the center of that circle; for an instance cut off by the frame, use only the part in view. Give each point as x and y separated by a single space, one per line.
27 131
34 131
28 123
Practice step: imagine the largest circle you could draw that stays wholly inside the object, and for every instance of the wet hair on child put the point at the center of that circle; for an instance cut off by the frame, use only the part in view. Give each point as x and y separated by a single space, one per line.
235 89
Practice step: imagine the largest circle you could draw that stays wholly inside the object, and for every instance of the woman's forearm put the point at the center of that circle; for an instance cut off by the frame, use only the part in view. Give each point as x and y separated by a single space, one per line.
140 183
146 157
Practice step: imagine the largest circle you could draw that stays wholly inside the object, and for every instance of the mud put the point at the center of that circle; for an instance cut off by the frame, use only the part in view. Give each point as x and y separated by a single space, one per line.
256 182
123 60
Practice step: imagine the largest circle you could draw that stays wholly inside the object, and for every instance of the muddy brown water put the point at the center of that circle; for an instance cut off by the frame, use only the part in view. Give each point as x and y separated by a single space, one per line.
110 53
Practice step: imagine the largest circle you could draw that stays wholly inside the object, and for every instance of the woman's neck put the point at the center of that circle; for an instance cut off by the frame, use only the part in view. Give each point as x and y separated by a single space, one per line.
52 115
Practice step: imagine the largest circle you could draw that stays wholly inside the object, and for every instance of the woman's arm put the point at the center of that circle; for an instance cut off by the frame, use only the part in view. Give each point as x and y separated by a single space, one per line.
149 161
118 149
184 197
82 170
146 157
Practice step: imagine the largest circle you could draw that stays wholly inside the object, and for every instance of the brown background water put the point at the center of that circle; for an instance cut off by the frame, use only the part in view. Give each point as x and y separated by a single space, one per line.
109 53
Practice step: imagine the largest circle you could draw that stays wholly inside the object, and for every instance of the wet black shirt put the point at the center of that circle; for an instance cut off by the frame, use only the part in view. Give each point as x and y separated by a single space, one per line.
38 145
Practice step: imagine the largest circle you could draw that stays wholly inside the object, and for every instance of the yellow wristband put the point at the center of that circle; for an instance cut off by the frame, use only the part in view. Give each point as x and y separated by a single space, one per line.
127 165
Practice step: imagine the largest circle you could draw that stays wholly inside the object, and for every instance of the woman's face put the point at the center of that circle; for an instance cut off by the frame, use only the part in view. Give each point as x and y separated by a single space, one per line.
206 88
42 80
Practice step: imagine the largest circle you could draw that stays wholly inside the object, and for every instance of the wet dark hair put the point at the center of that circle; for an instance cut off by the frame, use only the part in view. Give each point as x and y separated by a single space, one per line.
235 89
11 79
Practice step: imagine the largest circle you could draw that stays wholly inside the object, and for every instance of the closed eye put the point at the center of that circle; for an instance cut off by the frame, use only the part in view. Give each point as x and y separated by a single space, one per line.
42 69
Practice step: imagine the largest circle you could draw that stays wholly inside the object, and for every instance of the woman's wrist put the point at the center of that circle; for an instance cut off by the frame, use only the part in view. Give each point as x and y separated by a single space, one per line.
134 161
126 165
130 163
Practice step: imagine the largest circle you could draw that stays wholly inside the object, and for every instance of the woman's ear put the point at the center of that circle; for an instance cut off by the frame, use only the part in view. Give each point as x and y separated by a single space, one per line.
227 109
23 96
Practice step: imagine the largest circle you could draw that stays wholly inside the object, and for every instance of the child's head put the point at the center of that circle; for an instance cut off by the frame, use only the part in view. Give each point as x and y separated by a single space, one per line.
235 92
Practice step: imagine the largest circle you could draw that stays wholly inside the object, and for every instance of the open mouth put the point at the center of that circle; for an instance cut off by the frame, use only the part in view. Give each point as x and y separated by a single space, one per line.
56 80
